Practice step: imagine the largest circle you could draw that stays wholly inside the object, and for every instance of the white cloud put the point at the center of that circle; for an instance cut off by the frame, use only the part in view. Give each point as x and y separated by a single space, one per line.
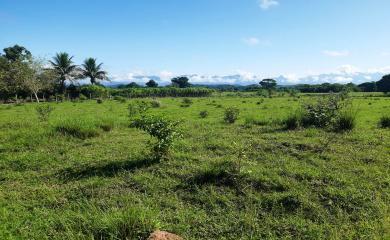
246 75
348 69
266 4
332 53
165 75
253 41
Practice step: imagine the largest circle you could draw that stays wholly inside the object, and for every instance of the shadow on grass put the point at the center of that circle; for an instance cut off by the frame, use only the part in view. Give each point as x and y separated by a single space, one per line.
223 175
107 170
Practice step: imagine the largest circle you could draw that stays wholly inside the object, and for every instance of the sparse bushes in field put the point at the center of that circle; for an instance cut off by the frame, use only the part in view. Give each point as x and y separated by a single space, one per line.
163 130
204 114
186 102
384 122
44 112
77 128
231 114
155 103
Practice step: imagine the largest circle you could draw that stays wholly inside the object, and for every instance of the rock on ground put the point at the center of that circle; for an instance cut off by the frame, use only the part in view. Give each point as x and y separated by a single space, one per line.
162 235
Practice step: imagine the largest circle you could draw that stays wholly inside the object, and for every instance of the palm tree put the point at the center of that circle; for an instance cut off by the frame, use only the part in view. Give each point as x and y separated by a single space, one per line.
64 67
93 71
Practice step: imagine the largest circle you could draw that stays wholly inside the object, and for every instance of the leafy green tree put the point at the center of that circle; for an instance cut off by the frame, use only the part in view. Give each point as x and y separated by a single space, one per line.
181 82
17 53
38 78
151 83
65 69
93 71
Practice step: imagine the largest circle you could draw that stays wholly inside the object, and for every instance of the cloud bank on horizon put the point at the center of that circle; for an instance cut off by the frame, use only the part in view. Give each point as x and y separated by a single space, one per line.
344 74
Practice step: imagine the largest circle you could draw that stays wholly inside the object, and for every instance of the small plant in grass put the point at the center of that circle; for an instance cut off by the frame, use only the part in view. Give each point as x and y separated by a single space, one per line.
82 97
99 101
384 122
44 112
186 102
231 114
204 114
163 130
106 124
138 108
155 103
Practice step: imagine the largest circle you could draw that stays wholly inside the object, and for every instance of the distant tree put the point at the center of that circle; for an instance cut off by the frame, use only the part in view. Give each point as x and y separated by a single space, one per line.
133 85
17 53
181 82
93 71
269 85
12 74
65 69
152 84
383 85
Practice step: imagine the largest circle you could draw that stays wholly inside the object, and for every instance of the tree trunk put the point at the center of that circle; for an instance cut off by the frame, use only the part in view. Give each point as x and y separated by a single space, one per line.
36 97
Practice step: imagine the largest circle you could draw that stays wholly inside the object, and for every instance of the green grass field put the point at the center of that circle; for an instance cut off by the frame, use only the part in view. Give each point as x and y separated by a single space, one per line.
301 184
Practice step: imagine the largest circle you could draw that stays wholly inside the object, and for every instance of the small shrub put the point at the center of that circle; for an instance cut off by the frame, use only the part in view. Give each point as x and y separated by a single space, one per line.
155 104
99 101
204 114
77 128
43 112
138 108
186 102
384 122
345 121
164 130
322 113
231 114
82 97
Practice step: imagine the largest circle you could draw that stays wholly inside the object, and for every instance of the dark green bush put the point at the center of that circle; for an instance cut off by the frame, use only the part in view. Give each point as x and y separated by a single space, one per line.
138 108
231 114
186 102
384 122
99 101
203 114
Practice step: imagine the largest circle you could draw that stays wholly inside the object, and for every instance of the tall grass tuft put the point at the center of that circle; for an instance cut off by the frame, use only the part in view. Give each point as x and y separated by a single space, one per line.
78 128
345 121
293 121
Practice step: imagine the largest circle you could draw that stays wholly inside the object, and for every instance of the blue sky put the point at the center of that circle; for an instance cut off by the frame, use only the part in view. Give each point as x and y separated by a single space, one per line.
262 38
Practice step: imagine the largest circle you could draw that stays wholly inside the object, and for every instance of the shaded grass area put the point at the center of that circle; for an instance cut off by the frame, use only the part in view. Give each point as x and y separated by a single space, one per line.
293 184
